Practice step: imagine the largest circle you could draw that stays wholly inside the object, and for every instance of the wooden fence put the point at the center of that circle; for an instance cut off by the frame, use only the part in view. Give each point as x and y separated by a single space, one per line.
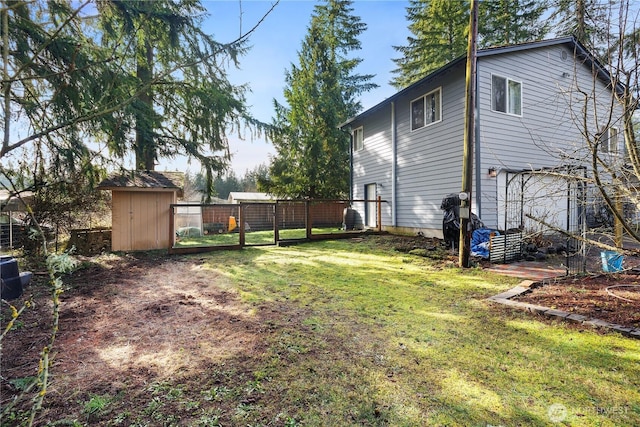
206 227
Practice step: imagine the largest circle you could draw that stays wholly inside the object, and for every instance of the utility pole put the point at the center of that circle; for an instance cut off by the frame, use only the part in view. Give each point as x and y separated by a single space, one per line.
469 132
617 224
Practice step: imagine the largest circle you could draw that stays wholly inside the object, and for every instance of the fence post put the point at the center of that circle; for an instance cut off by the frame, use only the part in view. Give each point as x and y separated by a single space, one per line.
307 209
379 219
11 231
241 223
172 226
276 222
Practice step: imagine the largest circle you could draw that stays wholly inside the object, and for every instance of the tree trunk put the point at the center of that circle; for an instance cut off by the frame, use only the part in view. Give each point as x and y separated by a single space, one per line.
581 30
5 77
145 146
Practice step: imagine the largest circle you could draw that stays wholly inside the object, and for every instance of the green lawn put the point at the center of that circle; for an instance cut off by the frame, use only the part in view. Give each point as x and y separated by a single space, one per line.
251 238
377 337
326 333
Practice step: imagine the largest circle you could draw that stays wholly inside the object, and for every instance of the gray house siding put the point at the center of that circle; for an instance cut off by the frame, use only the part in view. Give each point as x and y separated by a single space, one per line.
547 134
428 161
372 164
546 126
430 158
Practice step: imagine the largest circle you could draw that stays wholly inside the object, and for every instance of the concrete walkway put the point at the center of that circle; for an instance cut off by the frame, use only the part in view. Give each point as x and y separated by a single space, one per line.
532 270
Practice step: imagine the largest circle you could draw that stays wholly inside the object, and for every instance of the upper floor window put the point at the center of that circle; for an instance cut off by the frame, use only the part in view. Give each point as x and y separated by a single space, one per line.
358 139
506 95
426 110
609 141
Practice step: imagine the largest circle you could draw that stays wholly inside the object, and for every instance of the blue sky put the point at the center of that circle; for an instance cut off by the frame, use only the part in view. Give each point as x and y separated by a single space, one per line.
275 45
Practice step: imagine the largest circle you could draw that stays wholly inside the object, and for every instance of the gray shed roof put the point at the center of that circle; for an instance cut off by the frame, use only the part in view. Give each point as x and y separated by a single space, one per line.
11 202
151 180
249 196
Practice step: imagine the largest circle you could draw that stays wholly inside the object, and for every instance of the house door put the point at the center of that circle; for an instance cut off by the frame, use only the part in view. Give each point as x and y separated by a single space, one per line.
370 206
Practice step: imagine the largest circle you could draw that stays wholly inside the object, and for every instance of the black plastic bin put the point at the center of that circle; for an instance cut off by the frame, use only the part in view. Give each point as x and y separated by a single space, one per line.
12 282
451 220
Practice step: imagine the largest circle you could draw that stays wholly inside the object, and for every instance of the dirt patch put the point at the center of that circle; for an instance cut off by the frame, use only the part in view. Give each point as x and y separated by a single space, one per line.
154 340
132 323
614 298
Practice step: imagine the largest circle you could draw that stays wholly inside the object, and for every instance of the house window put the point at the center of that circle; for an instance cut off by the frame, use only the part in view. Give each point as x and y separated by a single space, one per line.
426 110
358 139
506 95
609 142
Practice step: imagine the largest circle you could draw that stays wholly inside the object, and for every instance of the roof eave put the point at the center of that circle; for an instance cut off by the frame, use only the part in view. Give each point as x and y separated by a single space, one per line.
581 50
399 94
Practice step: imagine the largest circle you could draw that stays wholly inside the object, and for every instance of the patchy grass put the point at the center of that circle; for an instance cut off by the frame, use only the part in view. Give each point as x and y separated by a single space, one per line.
264 237
339 333
395 339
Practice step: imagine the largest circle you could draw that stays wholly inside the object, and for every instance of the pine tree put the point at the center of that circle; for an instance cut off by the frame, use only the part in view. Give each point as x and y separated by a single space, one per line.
587 20
505 22
312 157
184 104
140 77
55 86
439 31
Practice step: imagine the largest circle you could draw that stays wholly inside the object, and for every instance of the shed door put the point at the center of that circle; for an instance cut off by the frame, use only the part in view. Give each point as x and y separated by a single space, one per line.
121 216
140 220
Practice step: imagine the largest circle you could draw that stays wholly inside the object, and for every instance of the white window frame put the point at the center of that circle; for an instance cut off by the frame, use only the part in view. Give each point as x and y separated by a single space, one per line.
509 108
358 138
427 120
610 142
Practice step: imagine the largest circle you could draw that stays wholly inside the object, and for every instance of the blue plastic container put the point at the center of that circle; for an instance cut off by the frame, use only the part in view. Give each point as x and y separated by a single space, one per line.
611 261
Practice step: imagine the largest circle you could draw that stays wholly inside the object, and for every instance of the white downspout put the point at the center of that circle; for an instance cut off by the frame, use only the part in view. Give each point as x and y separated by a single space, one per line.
477 192
394 161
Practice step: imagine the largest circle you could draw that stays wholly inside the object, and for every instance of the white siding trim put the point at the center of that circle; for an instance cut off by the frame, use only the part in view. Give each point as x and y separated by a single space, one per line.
394 163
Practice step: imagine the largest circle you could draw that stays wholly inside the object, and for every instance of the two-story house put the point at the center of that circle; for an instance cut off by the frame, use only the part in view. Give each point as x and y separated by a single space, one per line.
535 103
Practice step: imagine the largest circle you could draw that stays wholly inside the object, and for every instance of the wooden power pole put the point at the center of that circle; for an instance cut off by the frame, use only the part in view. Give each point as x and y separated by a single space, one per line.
469 132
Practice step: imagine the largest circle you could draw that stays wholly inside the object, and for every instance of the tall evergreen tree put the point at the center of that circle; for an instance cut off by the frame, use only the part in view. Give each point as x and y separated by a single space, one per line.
140 77
439 31
184 104
312 157
587 20
504 22
55 85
